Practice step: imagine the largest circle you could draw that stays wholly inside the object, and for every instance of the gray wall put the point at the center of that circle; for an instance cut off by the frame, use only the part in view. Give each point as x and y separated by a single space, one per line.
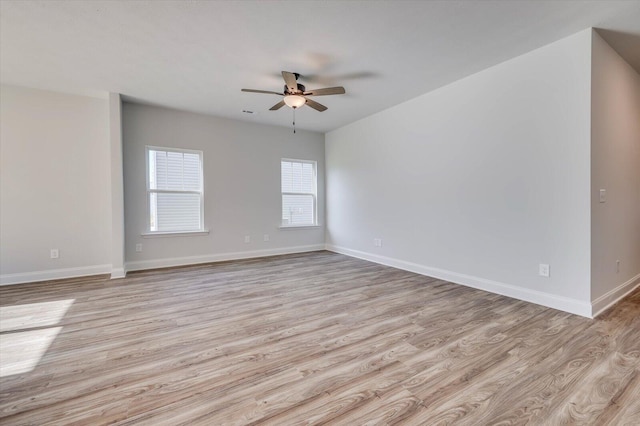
54 185
478 182
241 184
615 167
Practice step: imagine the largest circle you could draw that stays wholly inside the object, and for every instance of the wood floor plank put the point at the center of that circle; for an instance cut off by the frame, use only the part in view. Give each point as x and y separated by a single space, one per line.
598 390
312 338
624 408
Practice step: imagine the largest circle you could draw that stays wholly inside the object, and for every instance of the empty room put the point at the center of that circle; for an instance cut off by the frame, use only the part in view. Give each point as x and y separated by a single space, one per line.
320 212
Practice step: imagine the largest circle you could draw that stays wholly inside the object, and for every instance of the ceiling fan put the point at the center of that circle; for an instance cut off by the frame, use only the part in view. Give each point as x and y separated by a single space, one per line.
296 95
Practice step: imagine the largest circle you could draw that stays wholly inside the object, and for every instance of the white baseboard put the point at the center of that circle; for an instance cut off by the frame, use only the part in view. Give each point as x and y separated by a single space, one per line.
209 258
54 274
610 298
118 273
566 304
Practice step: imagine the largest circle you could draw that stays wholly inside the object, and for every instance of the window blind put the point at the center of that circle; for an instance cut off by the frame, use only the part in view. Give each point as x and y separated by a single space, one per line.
298 192
174 190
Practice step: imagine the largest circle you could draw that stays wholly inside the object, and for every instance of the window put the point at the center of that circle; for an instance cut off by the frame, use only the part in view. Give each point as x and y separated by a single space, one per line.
174 190
298 192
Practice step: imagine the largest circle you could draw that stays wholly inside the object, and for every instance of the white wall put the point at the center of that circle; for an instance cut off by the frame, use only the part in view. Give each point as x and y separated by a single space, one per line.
615 167
477 182
241 181
54 185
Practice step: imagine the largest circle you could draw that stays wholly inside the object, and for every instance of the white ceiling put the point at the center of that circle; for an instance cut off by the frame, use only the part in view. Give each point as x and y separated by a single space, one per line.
197 55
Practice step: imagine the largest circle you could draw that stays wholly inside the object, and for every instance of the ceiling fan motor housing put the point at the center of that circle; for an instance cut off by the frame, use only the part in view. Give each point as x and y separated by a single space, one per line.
301 89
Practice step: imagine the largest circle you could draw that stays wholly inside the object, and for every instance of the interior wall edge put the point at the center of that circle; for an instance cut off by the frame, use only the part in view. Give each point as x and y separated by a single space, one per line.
116 189
614 174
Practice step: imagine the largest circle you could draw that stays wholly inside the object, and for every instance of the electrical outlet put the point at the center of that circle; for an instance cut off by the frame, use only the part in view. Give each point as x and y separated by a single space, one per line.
55 253
543 270
265 237
603 195
377 242
138 248
247 238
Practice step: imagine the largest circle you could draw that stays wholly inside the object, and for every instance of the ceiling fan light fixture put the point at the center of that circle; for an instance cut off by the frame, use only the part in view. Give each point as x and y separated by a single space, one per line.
295 94
294 101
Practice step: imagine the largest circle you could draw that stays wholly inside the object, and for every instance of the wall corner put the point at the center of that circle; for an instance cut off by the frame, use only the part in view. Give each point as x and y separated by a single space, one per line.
117 186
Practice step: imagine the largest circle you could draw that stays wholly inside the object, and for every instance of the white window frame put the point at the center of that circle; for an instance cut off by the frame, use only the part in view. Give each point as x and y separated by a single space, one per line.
314 194
148 232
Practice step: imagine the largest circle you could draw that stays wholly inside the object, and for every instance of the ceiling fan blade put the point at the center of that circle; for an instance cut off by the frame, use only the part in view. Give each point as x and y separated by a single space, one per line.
277 106
316 106
290 81
327 91
262 91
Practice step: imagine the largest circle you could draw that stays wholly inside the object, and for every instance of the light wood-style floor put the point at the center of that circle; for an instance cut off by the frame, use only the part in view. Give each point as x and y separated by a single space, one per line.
316 338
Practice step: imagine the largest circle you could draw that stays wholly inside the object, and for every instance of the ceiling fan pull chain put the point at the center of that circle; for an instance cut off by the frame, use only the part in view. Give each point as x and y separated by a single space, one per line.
294 120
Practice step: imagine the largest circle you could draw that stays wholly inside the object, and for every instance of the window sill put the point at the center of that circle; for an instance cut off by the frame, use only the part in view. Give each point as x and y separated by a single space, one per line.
175 234
288 227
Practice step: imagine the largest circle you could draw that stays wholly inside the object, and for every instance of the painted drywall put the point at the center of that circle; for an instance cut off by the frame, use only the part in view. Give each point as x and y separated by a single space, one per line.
615 167
478 182
54 185
241 185
117 186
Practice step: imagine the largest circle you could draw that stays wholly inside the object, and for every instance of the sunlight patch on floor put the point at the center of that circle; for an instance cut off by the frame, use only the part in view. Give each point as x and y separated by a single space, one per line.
27 332
43 314
22 351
